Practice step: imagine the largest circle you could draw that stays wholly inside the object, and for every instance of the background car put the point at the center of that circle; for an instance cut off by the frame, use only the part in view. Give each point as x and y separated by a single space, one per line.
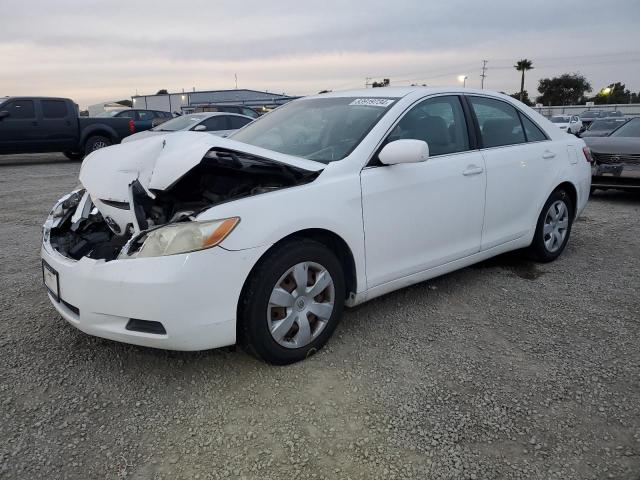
52 124
142 119
568 123
216 123
240 109
617 158
602 127
589 116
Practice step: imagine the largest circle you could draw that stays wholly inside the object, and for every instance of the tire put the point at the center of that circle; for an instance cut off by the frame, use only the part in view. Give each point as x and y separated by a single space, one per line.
74 155
543 248
96 143
260 310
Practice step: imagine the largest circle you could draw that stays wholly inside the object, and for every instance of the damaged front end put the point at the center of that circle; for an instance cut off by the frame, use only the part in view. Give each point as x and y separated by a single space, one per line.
143 221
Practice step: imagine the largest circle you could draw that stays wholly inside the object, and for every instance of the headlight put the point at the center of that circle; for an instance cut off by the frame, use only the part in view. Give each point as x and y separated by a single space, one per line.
183 237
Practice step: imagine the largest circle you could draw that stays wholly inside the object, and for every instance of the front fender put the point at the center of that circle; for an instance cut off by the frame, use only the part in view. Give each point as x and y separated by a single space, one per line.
328 203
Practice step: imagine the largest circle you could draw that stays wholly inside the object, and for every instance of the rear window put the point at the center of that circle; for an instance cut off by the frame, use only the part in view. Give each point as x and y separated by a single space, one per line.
531 130
54 109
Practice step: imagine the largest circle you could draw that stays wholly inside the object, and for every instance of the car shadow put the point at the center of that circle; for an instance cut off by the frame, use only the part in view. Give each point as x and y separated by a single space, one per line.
616 196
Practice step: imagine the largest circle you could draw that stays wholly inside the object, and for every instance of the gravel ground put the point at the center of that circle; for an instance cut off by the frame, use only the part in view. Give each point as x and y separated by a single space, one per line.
503 370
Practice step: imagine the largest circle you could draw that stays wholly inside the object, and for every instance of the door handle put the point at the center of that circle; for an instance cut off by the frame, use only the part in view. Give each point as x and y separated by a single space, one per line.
548 154
472 170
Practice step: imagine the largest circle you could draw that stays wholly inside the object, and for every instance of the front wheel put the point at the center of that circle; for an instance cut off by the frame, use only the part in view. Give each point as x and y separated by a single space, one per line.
553 228
292 302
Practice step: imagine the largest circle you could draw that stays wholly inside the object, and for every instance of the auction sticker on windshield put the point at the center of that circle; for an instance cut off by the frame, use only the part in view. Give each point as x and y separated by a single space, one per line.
373 102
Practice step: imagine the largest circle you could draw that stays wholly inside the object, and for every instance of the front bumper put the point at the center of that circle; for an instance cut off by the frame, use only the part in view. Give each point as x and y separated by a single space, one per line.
194 296
611 175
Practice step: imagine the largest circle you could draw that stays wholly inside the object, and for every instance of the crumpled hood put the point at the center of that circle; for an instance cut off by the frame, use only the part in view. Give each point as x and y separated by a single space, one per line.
158 162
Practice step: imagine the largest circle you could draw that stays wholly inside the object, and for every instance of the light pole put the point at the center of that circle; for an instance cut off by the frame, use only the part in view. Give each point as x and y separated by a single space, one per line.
463 79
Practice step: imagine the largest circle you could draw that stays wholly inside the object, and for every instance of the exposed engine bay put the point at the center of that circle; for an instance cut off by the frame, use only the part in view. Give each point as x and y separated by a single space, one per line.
81 226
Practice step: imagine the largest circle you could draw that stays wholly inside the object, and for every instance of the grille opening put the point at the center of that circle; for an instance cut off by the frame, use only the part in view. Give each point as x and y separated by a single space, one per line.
145 326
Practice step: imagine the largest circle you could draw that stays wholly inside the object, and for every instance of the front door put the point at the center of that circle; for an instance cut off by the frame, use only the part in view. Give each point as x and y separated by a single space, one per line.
421 215
19 129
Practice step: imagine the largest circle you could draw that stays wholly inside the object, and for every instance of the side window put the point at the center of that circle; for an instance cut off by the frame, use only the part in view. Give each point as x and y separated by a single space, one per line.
54 109
238 122
20 109
213 124
499 122
249 112
532 131
145 115
438 121
127 114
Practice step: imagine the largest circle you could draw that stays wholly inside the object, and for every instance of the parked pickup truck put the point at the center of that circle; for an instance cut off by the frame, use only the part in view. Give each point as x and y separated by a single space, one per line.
46 124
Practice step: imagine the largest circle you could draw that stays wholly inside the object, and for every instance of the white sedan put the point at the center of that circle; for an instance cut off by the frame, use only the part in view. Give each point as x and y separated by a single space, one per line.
568 123
216 123
191 241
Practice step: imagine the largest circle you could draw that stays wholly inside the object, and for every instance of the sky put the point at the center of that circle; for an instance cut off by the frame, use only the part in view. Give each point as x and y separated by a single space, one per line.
94 51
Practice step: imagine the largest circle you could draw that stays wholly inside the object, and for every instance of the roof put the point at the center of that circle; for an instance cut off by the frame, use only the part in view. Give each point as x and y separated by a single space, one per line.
230 93
399 92
33 97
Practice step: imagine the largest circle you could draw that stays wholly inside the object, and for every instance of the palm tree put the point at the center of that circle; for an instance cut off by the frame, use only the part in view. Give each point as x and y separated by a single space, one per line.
522 66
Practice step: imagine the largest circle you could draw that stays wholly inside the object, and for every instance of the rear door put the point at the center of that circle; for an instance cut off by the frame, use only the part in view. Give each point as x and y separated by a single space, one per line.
59 125
19 130
519 159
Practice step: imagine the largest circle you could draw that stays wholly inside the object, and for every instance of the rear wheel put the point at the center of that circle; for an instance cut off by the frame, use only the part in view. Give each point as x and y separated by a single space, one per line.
553 227
292 302
96 143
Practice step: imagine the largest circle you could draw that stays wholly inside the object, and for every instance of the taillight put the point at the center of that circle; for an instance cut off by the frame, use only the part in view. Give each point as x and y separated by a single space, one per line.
587 155
132 126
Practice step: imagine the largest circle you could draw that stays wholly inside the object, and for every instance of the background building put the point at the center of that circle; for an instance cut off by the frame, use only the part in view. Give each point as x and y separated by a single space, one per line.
105 107
186 102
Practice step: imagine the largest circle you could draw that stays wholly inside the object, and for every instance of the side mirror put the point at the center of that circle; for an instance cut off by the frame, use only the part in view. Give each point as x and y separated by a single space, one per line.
3 114
199 128
404 151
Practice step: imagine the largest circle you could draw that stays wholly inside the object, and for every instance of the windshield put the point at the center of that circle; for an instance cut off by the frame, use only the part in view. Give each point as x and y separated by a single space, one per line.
321 129
608 124
180 123
560 119
629 129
